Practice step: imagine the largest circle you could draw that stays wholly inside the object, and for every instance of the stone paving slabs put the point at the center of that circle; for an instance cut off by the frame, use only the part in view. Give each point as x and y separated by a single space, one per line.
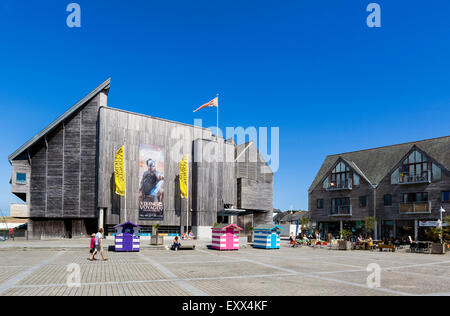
247 272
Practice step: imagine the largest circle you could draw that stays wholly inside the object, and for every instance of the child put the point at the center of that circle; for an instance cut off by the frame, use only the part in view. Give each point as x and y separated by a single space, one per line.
92 243
176 244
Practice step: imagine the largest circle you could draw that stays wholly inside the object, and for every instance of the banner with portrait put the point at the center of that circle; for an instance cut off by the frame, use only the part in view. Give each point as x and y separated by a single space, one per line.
151 182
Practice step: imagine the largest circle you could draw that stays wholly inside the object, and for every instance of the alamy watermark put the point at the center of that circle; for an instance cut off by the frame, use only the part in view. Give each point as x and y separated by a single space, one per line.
374 279
374 18
74 18
74 277
211 151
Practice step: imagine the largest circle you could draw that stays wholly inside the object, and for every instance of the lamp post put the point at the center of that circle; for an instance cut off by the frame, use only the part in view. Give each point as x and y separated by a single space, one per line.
441 210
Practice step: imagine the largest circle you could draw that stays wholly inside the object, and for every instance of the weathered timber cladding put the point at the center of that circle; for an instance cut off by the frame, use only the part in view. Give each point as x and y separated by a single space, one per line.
63 168
254 180
119 127
434 190
380 163
358 213
22 190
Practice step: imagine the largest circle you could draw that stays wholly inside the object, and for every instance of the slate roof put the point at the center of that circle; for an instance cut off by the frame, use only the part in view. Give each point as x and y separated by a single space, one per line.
374 164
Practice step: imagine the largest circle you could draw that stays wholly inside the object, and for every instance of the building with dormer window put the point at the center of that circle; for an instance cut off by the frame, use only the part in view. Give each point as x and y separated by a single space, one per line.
403 186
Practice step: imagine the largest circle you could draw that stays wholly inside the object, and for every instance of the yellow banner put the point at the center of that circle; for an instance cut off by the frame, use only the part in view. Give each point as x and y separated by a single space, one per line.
119 171
184 176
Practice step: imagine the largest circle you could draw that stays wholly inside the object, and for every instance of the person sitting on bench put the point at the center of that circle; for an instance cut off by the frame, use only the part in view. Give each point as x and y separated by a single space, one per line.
176 244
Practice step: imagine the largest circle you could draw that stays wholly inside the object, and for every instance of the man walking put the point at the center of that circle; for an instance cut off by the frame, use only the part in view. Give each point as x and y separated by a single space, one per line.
98 245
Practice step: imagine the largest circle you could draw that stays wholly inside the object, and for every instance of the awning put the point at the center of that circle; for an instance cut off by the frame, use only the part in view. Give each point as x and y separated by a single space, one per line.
231 212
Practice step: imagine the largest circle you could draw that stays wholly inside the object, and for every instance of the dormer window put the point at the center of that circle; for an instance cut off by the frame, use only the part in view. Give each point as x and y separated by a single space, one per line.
341 178
416 168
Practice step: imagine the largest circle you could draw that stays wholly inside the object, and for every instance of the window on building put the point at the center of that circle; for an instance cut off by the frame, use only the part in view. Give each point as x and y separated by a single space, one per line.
416 166
363 201
21 178
340 203
446 196
387 199
355 179
320 203
436 171
340 176
415 197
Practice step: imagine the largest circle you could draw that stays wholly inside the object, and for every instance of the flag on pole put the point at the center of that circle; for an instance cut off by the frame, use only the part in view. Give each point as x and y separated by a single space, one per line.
184 176
119 171
213 103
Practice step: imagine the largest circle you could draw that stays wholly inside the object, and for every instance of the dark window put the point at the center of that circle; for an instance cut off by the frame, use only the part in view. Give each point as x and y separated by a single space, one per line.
387 199
320 203
415 167
340 205
446 196
21 177
415 197
363 201
340 176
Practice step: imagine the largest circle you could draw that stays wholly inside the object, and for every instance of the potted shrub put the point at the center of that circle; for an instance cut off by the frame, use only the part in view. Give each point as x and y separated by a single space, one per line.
250 236
156 239
345 243
437 247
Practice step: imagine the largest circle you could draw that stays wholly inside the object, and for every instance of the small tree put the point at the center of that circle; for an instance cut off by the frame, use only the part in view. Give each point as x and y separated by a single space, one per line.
369 225
216 224
436 233
304 222
156 227
446 229
346 234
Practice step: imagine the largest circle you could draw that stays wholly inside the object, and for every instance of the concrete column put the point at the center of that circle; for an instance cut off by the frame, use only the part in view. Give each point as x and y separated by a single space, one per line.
395 229
416 229
375 231
101 216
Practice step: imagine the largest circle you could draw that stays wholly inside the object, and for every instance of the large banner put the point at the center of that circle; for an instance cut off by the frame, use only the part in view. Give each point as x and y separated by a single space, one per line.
151 182
119 171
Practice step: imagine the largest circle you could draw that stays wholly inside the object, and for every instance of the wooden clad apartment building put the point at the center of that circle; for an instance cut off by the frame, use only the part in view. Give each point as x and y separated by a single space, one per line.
403 186
65 174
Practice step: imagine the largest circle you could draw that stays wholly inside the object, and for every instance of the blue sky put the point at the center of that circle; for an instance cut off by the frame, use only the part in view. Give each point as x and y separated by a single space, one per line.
312 68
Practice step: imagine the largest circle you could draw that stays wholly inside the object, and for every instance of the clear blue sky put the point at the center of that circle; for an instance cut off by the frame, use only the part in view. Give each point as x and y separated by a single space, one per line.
312 68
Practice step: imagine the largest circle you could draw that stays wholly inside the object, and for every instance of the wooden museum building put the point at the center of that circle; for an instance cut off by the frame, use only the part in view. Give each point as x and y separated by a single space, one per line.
65 175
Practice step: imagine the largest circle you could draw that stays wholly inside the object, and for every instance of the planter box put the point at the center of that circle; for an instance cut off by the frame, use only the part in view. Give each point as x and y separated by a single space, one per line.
344 245
437 248
250 238
157 240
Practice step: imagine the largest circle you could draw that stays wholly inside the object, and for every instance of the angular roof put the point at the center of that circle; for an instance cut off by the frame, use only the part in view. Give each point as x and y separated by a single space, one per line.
268 227
224 226
374 164
127 223
104 86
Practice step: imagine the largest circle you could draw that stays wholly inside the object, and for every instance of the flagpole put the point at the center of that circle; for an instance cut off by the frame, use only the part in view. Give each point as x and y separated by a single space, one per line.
217 131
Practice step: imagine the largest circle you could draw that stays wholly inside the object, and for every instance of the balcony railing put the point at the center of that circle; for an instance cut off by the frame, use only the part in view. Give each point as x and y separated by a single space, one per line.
334 186
345 210
415 208
412 178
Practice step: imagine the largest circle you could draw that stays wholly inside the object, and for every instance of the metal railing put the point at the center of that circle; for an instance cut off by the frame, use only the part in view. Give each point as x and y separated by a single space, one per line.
411 178
346 185
415 208
345 210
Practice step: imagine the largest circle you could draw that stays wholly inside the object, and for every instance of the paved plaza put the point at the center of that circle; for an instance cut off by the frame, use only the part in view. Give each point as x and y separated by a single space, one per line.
247 272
